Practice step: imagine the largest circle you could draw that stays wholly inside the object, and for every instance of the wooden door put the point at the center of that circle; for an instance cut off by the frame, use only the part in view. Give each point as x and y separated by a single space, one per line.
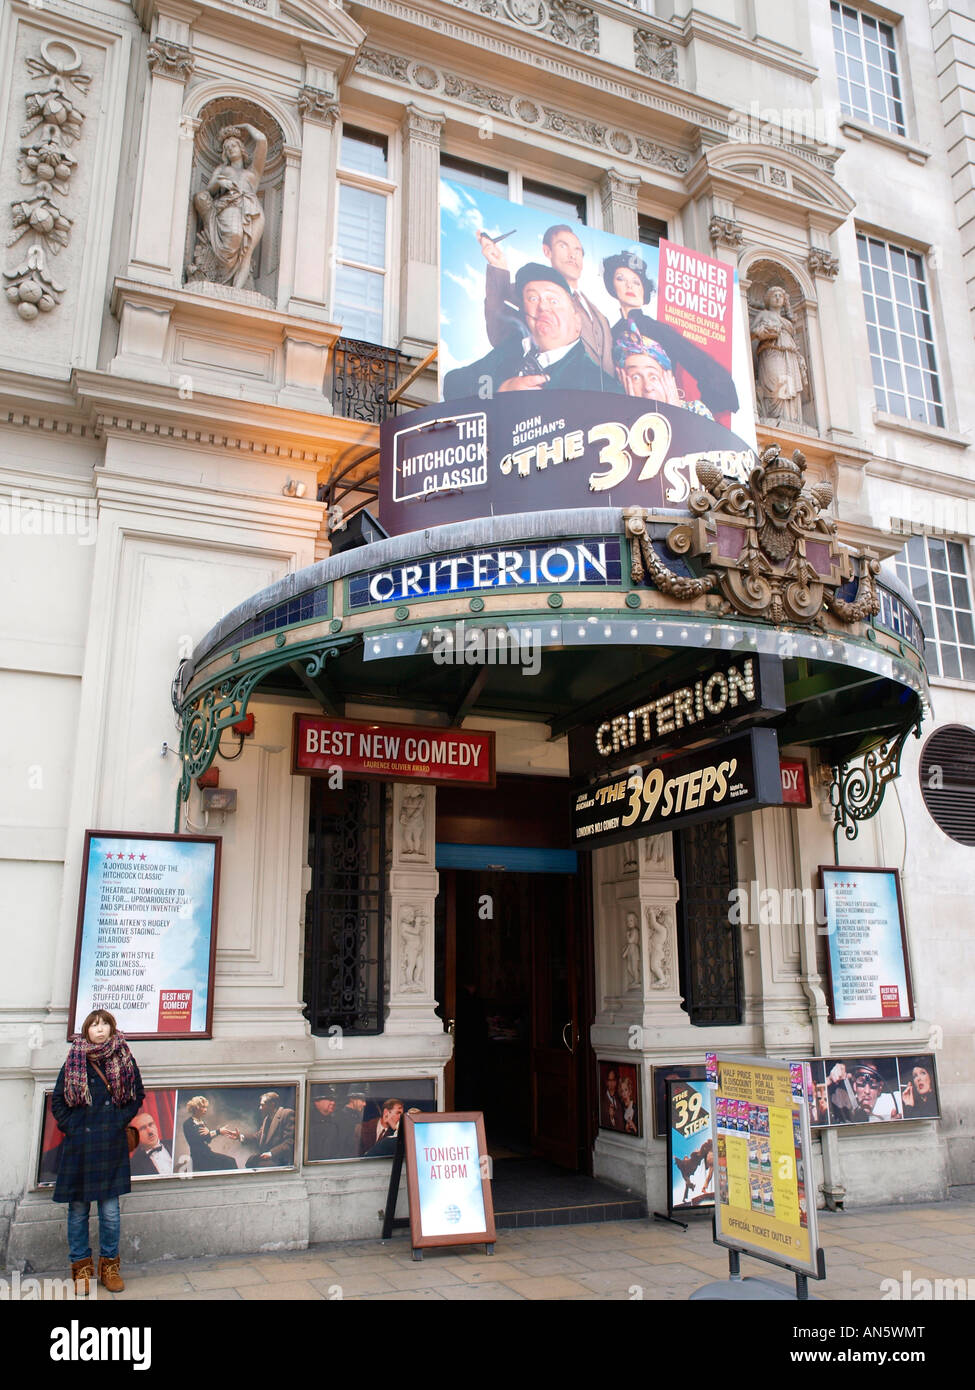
556 1034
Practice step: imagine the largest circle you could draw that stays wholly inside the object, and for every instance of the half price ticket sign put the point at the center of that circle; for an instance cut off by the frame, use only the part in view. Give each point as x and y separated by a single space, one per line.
760 1128
392 752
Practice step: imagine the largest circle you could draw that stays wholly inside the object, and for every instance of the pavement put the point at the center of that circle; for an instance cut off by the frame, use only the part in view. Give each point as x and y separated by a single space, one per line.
626 1260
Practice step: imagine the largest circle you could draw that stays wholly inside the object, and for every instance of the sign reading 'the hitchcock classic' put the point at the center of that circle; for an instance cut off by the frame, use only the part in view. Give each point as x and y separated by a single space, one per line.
723 779
748 687
393 752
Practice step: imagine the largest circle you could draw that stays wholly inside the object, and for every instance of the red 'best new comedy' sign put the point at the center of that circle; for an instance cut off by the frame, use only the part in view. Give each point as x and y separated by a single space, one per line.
392 752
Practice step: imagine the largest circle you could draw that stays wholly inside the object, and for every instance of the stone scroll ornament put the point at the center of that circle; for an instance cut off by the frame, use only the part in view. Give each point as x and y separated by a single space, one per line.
762 544
39 219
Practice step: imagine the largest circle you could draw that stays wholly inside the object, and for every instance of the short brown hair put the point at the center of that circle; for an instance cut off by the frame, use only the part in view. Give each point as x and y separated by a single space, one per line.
98 1016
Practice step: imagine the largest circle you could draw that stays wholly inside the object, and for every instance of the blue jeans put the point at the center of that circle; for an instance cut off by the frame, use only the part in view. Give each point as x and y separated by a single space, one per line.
109 1229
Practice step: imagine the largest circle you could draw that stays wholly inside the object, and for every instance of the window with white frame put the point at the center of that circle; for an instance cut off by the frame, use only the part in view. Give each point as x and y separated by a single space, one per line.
900 329
560 202
362 235
936 572
866 68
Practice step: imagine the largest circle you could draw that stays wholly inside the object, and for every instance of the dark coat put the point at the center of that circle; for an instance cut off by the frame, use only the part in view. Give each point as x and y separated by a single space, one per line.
576 371
95 1152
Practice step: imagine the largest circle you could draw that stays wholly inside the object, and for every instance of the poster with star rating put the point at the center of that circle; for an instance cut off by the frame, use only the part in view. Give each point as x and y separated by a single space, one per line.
866 957
147 929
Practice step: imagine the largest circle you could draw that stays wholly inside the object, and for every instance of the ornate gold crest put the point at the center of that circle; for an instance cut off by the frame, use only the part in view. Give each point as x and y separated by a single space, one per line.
764 544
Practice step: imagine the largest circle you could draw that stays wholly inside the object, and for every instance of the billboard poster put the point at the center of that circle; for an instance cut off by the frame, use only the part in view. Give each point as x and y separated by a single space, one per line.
690 1145
853 1090
761 1135
597 312
147 921
866 946
361 1119
577 368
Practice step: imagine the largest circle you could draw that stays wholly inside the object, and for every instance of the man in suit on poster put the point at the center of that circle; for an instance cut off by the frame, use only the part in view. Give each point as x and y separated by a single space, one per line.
152 1158
563 251
276 1137
377 1136
551 357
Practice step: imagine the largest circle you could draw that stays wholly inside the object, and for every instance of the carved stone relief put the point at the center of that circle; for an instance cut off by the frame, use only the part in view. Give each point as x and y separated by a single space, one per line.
655 56
565 21
413 924
412 820
779 346
173 60
631 952
725 231
659 920
238 180
54 121
526 112
823 263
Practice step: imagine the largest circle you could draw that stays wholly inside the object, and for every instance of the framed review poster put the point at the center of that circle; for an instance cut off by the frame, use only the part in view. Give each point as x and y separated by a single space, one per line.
147 933
866 946
447 1180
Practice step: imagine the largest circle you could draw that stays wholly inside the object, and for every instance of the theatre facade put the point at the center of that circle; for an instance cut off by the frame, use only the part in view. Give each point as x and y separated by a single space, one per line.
468 755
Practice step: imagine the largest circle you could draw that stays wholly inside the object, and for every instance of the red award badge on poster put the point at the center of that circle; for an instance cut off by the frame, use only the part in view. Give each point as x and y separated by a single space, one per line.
175 1010
890 1001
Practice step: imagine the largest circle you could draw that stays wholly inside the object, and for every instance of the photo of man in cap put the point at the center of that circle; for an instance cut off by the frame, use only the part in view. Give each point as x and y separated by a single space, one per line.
859 1093
551 356
564 252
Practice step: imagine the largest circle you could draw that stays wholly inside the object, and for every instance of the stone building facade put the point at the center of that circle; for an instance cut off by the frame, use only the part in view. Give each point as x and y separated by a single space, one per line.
174 403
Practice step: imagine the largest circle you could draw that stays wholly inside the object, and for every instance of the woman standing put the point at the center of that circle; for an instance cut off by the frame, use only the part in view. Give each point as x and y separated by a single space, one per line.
98 1092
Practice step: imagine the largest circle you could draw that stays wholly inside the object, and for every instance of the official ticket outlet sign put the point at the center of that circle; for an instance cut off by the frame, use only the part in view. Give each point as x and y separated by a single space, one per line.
869 977
735 690
761 1137
722 779
391 752
147 933
447 1179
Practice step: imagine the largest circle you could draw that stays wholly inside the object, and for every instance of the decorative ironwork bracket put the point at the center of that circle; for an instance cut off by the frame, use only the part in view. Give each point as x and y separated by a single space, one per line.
223 702
857 790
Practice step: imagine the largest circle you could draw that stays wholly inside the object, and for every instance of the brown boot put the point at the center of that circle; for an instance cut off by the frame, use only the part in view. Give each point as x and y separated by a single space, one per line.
81 1272
109 1276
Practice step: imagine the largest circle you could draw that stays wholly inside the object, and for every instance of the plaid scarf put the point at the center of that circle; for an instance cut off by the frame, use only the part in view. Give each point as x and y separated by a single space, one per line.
115 1060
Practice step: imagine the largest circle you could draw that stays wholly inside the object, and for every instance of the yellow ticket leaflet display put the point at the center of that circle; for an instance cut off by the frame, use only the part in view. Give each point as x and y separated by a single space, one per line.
761 1142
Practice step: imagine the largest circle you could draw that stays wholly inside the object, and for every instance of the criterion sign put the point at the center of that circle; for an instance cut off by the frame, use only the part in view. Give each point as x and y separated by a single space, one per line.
762 1143
447 1180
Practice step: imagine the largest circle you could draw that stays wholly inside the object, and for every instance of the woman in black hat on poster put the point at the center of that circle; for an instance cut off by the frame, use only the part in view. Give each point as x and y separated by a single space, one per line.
98 1093
626 279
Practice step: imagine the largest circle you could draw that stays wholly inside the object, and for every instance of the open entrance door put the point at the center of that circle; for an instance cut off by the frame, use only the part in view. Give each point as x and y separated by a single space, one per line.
520 1019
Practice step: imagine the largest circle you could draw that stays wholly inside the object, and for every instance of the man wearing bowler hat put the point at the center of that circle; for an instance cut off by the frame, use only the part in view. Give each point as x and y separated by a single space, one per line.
551 356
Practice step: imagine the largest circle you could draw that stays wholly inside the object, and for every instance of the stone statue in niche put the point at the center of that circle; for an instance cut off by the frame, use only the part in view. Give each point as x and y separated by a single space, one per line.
657 926
780 368
412 928
412 815
230 212
631 952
